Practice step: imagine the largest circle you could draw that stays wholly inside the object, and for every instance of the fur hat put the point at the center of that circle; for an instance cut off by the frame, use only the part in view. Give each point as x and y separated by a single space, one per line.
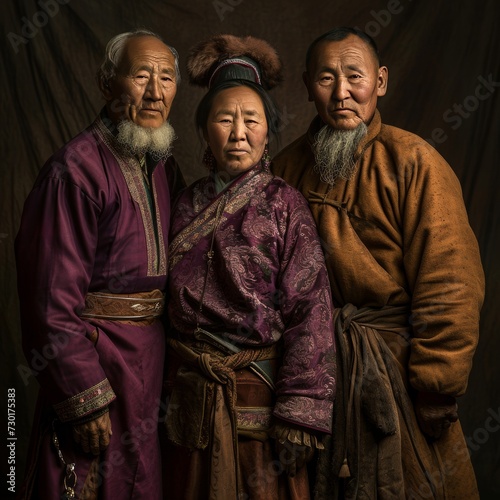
224 57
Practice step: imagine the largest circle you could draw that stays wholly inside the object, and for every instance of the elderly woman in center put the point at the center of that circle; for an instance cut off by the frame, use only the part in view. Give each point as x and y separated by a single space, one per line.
252 364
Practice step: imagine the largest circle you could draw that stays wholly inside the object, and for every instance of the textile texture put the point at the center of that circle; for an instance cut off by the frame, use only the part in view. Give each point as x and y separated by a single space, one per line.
402 194
90 221
246 264
443 60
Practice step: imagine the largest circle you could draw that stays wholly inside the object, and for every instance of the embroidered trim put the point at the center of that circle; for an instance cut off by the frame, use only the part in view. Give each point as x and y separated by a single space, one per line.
254 418
142 305
131 170
162 264
203 223
313 413
85 402
237 61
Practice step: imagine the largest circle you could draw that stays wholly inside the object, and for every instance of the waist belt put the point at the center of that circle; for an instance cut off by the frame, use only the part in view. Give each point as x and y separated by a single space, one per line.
261 367
202 409
372 400
133 306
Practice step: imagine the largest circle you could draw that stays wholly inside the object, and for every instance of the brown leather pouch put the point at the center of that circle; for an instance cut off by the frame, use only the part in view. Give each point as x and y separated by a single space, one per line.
189 409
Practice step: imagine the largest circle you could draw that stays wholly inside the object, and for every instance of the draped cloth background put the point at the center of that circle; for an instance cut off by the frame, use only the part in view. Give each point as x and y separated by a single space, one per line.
444 84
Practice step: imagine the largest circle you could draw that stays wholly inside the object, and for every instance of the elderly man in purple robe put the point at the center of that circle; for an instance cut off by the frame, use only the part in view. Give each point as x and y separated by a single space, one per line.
92 268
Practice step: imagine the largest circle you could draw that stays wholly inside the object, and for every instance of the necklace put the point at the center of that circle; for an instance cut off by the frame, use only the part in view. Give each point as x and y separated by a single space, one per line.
210 252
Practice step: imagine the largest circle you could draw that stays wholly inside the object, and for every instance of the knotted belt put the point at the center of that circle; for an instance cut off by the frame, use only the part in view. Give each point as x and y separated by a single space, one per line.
375 414
121 307
203 405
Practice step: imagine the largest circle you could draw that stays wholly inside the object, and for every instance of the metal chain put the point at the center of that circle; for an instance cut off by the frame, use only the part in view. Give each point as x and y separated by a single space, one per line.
71 477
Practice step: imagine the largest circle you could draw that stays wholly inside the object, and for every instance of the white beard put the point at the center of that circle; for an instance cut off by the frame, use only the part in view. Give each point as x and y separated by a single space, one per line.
139 140
334 152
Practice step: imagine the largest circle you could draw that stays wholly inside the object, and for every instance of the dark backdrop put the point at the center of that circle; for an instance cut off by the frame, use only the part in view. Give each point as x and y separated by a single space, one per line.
444 84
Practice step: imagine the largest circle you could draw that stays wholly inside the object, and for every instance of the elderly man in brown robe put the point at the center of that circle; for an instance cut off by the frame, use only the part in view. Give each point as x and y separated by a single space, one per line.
406 276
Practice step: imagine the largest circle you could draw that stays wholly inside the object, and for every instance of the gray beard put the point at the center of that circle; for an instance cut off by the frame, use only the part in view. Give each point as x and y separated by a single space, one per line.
139 140
334 151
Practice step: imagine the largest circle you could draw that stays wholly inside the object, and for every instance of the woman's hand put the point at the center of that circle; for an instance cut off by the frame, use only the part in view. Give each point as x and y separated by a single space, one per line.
295 447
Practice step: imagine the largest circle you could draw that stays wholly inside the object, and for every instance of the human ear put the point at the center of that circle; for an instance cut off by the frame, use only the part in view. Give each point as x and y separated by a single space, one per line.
382 80
105 88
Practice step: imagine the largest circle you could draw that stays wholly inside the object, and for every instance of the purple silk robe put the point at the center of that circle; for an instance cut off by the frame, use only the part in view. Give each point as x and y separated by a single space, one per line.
88 226
268 282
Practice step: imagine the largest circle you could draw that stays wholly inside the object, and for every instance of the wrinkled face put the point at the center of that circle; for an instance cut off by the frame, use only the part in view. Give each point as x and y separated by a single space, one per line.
344 81
236 130
145 83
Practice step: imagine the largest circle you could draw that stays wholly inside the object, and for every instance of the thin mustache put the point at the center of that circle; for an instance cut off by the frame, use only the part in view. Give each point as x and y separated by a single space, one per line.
151 108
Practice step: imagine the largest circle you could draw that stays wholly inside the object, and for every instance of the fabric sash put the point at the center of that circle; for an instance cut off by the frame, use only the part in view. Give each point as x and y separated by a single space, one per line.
202 408
375 415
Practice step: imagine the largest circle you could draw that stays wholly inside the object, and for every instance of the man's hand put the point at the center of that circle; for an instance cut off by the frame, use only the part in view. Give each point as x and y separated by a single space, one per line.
93 436
435 413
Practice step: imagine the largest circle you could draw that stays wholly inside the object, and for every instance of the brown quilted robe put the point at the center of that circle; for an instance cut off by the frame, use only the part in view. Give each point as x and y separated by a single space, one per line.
395 236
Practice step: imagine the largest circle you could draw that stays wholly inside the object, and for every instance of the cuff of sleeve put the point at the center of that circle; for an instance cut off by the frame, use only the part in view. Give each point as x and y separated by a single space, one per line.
89 401
296 435
91 416
314 414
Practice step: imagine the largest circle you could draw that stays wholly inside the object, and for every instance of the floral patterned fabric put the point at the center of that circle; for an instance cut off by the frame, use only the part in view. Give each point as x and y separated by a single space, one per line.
267 283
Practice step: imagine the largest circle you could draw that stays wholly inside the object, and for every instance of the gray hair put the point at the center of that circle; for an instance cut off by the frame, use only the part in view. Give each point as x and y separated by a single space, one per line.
107 70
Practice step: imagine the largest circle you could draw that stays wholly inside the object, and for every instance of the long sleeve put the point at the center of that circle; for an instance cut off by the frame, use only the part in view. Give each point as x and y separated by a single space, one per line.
306 380
397 234
55 250
443 267
268 283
